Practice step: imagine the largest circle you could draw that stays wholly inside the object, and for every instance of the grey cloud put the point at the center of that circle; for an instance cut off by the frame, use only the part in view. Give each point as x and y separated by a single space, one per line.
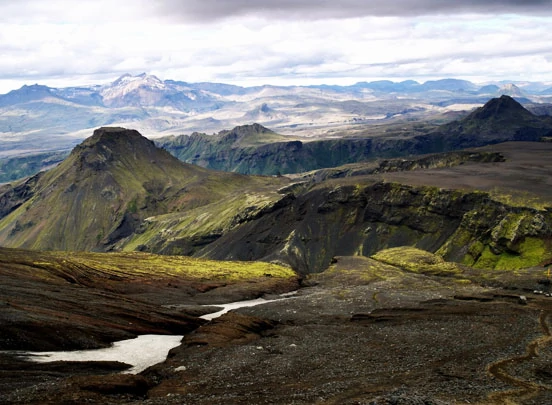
202 10
25 11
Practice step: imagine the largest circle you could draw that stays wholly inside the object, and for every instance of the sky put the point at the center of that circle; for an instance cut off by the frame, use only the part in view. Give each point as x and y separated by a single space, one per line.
63 43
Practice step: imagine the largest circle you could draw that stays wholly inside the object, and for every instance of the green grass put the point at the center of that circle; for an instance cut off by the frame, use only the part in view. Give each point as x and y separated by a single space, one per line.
416 261
516 198
136 265
530 253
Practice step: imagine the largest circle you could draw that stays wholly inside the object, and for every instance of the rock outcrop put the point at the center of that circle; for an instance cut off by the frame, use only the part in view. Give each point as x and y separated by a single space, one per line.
467 227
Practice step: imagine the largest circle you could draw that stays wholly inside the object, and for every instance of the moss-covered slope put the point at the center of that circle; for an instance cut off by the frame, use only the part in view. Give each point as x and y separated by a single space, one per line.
55 300
117 191
104 190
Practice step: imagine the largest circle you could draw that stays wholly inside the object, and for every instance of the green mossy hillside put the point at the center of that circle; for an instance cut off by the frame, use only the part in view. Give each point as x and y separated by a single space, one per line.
108 186
357 216
416 261
89 268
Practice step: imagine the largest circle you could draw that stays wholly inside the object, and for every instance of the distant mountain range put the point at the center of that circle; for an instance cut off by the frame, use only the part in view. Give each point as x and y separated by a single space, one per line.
254 149
38 118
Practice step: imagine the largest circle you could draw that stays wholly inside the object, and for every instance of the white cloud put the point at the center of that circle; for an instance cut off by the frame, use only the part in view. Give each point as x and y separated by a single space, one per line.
61 43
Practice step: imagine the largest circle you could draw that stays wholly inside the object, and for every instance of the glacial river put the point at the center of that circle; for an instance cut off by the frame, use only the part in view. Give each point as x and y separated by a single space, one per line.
143 351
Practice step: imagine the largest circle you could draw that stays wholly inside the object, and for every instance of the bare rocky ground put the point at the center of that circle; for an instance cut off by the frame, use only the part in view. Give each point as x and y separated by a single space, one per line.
363 332
523 176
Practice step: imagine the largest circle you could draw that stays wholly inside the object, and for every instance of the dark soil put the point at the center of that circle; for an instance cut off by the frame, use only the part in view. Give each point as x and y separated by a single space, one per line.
349 336
524 173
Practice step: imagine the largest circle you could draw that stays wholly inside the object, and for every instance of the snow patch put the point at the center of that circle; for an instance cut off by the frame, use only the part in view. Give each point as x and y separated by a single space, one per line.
141 352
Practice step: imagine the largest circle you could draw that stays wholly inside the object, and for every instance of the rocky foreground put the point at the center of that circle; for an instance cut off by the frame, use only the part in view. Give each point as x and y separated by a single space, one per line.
401 327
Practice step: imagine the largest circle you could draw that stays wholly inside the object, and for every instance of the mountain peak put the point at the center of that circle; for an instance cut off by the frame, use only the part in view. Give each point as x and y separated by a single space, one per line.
106 135
502 107
248 129
109 146
116 138
140 90
501 119
511 90
92 198
26 94
141 78
246 134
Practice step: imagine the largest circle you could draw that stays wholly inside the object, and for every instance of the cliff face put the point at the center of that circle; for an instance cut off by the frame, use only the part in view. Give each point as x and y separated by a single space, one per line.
362 219
254 149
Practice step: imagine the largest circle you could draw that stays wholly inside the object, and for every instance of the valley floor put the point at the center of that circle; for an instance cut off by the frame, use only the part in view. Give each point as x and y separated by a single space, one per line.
362 332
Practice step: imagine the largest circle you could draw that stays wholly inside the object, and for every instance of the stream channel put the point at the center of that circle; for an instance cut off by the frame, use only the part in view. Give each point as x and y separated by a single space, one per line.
143 351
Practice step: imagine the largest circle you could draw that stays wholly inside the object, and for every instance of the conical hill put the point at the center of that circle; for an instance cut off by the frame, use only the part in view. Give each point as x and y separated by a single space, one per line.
107 186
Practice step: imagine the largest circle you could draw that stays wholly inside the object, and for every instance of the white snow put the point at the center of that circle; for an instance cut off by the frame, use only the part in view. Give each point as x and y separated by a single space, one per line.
127 84
141 352
234 305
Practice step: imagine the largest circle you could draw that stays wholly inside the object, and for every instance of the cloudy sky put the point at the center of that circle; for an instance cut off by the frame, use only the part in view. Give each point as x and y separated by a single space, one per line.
249 42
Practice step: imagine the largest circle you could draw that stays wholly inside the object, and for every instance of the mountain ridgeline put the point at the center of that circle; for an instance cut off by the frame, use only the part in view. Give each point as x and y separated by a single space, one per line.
254 149
65 116
118 191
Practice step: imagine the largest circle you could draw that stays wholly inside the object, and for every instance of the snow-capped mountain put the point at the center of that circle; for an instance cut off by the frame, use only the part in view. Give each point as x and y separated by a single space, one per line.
511 90
149 91
37 117
141 90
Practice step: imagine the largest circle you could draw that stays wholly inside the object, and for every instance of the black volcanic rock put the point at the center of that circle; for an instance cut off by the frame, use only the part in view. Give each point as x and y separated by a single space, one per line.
499 120
335 219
